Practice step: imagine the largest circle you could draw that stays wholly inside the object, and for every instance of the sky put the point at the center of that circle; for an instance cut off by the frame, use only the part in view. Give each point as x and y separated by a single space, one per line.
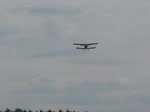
41 69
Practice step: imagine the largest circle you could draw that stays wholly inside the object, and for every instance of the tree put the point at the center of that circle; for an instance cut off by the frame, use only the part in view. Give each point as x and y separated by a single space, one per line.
18 110
8 110
60 110
49 110
67 110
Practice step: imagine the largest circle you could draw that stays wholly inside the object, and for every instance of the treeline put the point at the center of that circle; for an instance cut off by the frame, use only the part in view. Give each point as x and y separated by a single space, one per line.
23 110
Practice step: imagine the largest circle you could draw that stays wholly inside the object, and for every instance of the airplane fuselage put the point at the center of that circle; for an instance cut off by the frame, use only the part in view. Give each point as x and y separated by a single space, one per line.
86 46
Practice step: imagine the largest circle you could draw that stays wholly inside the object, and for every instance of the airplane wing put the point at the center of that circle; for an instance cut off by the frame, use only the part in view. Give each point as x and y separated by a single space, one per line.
91 48
92 44
78 44
79 48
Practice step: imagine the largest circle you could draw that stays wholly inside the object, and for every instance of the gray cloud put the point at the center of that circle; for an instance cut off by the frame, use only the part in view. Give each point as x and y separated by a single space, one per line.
36 38
6 31
52 11
88 93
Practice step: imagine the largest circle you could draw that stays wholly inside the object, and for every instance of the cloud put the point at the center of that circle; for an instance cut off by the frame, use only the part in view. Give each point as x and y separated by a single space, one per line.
49 11
86 93
41 68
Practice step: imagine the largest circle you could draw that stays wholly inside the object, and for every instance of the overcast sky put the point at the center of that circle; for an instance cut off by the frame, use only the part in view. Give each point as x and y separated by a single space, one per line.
41 69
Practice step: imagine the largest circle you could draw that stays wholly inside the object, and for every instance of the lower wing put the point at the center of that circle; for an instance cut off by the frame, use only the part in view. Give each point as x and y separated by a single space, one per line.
91 47
79 48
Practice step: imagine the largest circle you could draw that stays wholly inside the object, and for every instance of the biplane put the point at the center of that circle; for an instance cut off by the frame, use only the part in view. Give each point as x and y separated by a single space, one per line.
85 46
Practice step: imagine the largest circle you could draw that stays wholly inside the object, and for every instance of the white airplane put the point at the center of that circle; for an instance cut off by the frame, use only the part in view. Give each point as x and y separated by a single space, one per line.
85 46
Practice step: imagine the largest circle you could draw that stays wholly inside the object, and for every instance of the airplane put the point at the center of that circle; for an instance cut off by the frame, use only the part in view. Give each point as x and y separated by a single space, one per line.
85 46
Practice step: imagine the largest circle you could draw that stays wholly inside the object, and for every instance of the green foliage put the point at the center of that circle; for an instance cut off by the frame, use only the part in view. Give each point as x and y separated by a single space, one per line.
22 110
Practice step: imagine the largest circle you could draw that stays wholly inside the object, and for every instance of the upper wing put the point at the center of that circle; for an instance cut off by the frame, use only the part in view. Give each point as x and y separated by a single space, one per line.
78 44
92 44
